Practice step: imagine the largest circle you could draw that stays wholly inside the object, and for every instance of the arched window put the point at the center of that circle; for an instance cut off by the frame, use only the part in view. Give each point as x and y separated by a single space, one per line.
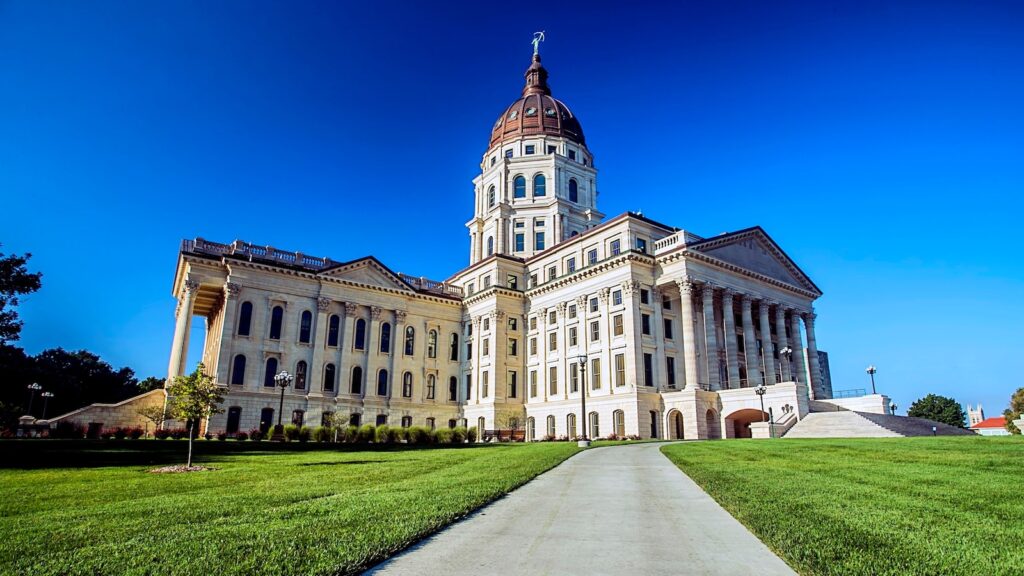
531 429
298 416
431 386
540 185
234 418
268 378
453 389
430 423
244 319
453 348
407 385
570 426
385 337
305 326
410 340
551 427
360 334
354 419
332 330
490 245
574 191
432 344
276 317
238 370
490 197
300 375
357 380
619 423
406 421
519 187
382 383
329 378
595 431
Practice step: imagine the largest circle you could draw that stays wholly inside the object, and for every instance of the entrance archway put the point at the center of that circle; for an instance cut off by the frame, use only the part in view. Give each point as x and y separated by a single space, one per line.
675 425
738 423
713 427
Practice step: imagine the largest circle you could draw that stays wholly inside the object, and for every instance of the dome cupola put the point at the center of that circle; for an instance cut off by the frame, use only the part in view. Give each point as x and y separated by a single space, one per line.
536 112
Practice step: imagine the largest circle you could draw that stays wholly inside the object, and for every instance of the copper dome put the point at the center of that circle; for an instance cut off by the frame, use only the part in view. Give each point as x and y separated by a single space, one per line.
536 112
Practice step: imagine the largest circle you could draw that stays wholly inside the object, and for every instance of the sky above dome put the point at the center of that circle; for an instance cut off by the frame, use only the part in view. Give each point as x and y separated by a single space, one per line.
880 144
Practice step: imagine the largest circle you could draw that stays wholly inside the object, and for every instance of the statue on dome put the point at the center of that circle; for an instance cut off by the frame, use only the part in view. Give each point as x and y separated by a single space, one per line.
538 37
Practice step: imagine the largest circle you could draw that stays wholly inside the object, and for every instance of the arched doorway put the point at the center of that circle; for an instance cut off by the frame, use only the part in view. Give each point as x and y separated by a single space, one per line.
713 426
234 419
738 423
675 425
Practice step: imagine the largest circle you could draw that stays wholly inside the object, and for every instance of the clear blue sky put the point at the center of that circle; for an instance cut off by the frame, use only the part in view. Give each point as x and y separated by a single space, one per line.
881 144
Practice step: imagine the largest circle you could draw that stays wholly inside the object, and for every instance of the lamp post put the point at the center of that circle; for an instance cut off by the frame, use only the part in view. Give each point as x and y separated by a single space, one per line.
582 359
786 353
760 390
32 389
46 400
871 372
283 380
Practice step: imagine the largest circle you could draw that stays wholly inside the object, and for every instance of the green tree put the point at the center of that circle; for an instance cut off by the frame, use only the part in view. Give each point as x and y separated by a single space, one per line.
150 384
940 409
1014 411
15 281
156 413
192 398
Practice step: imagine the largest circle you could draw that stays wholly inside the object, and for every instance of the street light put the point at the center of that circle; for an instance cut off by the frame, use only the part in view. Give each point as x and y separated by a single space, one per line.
46 400
582 359
32 389
760 390
787 353
871 372
283 380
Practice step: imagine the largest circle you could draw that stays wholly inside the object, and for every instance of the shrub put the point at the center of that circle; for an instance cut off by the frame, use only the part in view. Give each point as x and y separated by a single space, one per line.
351 434
323 434
400 434
384 435
291 432
120 433
208 435
179 433
444 436
107 433
420 436
242 436
304 434
256 434
548 438
459 434
471 434
366 433
66 429
222 435
161 434
135 433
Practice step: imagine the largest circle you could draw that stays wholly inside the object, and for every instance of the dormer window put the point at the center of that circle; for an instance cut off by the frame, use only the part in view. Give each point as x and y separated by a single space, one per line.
549 112
530 148
513 115
572 154
531 111
508 153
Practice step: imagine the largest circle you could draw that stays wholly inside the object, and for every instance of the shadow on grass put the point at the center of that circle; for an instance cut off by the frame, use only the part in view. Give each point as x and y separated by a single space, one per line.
345 463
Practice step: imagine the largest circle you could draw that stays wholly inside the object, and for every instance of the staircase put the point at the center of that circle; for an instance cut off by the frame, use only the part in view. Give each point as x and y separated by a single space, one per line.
848 424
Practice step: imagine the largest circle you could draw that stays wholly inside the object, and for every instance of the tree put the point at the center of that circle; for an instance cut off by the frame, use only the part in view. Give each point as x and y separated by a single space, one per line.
150 384
940 409
80 378
15 281
1014 411
192 398
156 413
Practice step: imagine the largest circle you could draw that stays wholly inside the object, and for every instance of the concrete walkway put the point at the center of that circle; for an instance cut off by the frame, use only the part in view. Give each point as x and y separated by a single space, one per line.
615 510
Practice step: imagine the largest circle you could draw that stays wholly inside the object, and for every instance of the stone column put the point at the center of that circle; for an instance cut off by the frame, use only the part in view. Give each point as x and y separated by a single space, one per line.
780 335
315 372
372 352
179 345
477 357
750 345
814 369
729 322
710 336
227 331
346 346
632 332
607 359
688 333
542 351
658 331
798 350
563 349
767 355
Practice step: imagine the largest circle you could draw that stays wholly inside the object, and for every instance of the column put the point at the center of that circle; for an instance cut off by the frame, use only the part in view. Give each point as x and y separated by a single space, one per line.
179 346
710 337
658 330
563 349
347 351
798 350
749 344
729 322
478 361
315 372
780 335
372 351
768 358
814 369
688 334
542 348
632 332
582 334
606 338
227 331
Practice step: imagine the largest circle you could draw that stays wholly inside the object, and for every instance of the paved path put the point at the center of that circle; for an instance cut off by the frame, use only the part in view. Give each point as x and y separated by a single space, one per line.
615 510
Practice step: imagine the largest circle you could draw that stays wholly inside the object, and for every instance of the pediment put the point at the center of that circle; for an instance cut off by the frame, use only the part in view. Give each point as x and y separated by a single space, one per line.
755 251
369 272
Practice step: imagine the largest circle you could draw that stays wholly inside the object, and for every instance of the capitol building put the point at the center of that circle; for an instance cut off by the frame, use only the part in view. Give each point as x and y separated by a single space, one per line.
667 333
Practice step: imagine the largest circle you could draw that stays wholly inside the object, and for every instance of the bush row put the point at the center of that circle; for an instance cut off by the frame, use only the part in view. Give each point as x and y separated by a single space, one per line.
365 434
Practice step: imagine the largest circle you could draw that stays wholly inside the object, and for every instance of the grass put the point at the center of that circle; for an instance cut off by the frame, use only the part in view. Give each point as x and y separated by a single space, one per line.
874 506
600 443
267 511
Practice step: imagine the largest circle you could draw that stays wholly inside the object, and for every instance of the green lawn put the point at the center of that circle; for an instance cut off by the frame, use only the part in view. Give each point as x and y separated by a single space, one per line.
279 511
873 506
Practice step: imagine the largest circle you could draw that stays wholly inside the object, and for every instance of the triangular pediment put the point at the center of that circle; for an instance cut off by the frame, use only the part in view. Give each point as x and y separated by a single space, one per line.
369 272
755 251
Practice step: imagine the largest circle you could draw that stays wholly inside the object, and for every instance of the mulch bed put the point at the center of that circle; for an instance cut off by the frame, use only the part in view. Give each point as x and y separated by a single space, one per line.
179 468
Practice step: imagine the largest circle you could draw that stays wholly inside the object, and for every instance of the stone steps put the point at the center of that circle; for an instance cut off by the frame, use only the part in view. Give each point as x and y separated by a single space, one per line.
848 424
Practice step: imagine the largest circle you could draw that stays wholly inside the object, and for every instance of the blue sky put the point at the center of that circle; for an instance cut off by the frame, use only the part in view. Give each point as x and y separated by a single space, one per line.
880 144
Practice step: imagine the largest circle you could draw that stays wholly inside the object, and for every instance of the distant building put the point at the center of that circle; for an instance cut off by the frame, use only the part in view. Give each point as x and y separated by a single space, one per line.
991 427
975 415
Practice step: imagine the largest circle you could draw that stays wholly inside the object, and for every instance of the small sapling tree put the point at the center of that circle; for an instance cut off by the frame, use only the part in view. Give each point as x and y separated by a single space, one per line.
192 398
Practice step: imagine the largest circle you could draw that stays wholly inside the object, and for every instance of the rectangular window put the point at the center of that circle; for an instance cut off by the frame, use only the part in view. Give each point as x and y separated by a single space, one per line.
469 386
552 272
641 245
487 323
616 297
551 149
494 160
508 153
530 148
487 282
486 347
513 281
552 318
595 374
595 331
520 224
670 365
538 241
513 347
533 383
484 384
572 336
513 384
645 296
615 248
592 256
574 377
533 322
617 325
470 288
593 304
668 329
520 242
469 350
570 265
572 310
666 303
538 222
533 346
553 341
533 280
513 323
645 324
553 380
572 154
620 369
648 369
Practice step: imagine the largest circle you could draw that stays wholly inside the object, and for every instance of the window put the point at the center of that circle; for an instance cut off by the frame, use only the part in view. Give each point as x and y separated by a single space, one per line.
452 422
551 149
539 185
357 380
595 331
616 297
329 378
533 383
648 369
552 318
670 369
553 341
381 420
266 419
641 245
305 326
327 418
360 334
490 247
572 154
617 325
531 429
245 319
538 222
469 386
354 419
487 282
453 347
508 153
333 324
513 347
494 160
553 380
431 423
533 323
574 194
551 426
410 340
276 317
572 310
538 241
513 323
573 340
513 384
645 324
453 389
592 256
570 426
485 384
234 417
620 369
615 248
595 429
645 296
595 373
407 386
530 148
552 272
300 375
533 346
431 386
487 324
470 288
570 264
519 187
385 337
486 347
619 423
297 417
432 344
268 376
666 302
520 242
533 280
668 328
574 377
238 370
593 304
382 383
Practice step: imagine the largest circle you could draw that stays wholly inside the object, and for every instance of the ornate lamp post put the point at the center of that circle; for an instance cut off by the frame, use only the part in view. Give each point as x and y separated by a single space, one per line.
582 359
760 390
282 380
32 389
871 372
46 400
786 353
